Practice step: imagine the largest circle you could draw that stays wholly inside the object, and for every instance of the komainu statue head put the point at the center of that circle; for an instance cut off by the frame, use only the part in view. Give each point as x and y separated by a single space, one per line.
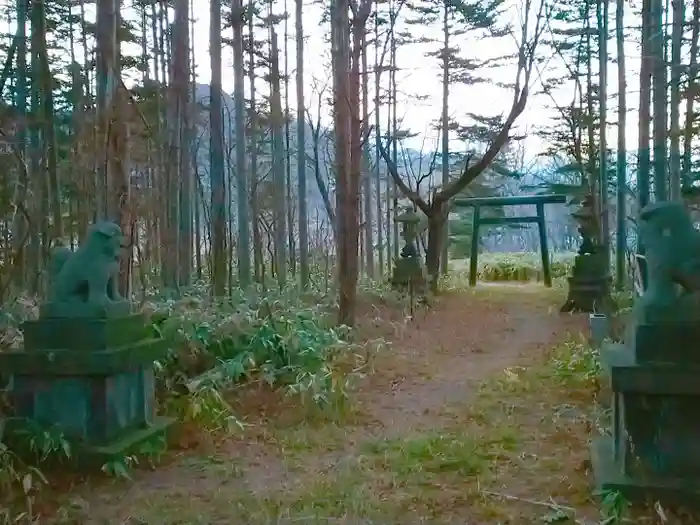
89 275
672 250
107 237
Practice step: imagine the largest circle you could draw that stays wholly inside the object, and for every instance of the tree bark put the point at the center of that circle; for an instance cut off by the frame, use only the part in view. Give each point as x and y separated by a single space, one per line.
111 107
254 205
660 99
216 157
344 205
621 251
20 225
301 151
242 198
278 174
644 110
602 15
444 124
675 143
690 97
377 140
182 187
367 175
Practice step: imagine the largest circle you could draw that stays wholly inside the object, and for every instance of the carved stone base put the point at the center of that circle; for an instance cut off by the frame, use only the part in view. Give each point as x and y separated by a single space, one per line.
589 285
609 476
653 452
92 380
409 271
84 310
84 334
588 295
672 343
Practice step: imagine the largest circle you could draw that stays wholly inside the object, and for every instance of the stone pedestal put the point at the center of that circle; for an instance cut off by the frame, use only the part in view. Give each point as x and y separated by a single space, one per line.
589 285
89 378
409 271
653 452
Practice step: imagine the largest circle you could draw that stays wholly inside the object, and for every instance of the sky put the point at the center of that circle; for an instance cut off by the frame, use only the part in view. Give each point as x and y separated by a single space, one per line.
421 75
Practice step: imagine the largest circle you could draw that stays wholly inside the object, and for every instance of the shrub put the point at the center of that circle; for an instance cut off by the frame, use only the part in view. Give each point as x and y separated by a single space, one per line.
281 339
278 339
522 267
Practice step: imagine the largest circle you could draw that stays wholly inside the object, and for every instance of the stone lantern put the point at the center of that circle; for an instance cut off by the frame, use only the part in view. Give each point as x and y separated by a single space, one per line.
408 268
589 284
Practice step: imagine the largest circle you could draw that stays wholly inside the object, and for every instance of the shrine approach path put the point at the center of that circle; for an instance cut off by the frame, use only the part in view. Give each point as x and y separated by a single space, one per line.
292 468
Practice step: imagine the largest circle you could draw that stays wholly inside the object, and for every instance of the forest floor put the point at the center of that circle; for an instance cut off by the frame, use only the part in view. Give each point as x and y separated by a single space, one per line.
468 418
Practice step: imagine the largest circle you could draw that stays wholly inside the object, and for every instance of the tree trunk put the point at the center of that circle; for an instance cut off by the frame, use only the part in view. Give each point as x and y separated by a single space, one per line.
111 106
377 139
216 157
278 174
345 206
20 226
49 131
644 110
690 97
192 119
394 127
436 226
163 230
243 252
321 184
444 124
287 152
602 15
254 205
675 146
367 176
621 165
590 128
38 188
301 151
388 187
182 186
660 99
351 209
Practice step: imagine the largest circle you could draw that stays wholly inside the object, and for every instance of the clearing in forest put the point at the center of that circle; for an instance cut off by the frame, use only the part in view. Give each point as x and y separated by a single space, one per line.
479 412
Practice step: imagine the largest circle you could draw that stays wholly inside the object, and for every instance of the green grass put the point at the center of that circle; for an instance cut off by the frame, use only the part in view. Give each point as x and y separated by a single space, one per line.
520 267
515 451
516 435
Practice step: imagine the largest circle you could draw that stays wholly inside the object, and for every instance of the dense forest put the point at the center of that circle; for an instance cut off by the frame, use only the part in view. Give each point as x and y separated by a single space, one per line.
270 165
292 178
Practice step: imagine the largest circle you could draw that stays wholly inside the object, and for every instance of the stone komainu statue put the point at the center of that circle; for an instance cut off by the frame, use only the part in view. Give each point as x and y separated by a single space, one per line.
90 274
672 246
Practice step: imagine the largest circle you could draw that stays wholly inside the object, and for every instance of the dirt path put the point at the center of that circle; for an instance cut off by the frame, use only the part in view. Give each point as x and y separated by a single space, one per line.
437 358
433 362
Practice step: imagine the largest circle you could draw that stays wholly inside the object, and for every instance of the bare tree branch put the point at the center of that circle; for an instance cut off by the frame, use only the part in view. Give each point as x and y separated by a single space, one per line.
405 189
526 57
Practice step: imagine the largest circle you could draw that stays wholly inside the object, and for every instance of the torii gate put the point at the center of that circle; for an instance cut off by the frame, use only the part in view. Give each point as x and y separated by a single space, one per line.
482 202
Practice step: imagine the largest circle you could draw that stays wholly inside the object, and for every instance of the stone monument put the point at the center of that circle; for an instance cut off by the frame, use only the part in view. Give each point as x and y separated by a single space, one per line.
87 365
653 451
408 268
589 284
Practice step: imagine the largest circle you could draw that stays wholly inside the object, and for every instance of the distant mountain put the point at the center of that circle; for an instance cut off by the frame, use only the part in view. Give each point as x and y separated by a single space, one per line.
413 164
315 202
